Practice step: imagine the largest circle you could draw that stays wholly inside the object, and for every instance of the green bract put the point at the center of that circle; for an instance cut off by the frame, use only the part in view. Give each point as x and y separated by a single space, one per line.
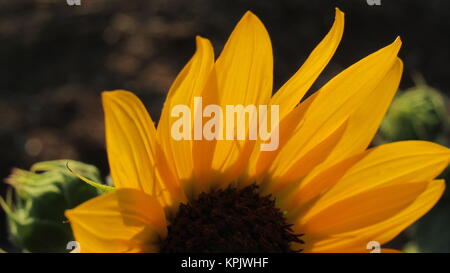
36 218
417 113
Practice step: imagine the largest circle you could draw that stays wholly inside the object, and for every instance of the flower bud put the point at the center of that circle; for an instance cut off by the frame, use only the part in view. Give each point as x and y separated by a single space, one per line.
417 113
36 218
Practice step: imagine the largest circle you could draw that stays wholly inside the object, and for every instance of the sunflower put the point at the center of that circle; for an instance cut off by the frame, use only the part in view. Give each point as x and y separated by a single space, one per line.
322 190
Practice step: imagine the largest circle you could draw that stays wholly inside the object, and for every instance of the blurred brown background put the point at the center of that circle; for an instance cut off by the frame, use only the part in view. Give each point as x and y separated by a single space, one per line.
55 59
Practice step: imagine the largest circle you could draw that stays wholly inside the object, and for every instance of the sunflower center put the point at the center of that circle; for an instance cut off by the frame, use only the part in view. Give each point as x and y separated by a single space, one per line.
230 220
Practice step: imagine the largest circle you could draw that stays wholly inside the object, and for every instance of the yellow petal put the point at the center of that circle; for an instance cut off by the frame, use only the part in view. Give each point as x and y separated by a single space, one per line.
392 163
386 230
385 165
203 149
389 229
130 142
260 161
361 127
312 158
245 66
290 94
124 220
189 83
364 122
363 209
337 100
299 194
244 77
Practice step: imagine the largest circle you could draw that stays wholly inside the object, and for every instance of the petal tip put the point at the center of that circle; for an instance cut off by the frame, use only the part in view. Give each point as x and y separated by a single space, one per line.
394 46
199 38
69 213
339 12
107 94
115 92
250 17
249 14
202 42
